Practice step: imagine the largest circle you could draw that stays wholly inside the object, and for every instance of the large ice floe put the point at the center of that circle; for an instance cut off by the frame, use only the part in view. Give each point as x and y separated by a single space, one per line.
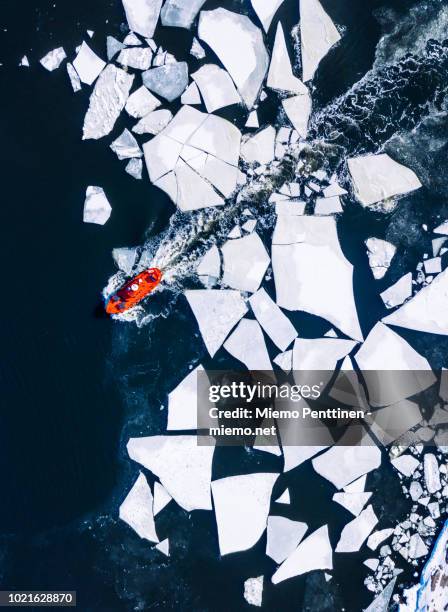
318 34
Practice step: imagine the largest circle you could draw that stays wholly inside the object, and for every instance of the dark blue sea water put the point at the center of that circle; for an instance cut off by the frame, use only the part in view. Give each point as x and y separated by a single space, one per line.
74 385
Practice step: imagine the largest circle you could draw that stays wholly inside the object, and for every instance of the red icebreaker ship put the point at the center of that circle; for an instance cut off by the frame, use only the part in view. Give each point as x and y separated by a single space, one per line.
134 291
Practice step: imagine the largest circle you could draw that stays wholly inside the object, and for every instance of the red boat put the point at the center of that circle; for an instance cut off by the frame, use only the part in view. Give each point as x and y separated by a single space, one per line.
134 291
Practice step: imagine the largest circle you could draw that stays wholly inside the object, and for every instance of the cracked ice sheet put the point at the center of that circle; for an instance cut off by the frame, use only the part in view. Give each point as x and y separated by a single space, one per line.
142 15
278 327
318 34
247 345
245 262
88 65
241 508
246 59
137 510
356 532
183 467
106 102
342 465
216 87
312 273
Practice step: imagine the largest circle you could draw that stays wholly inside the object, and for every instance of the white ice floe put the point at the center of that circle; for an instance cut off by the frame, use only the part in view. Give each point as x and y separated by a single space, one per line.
24 62
432 474
246 58
113 47
284 498
210 264
75 81
154 122
107 100
378 177
142 15
241 508
386 352
88 65
168 81
377 537
343 464
357 486
134 167
427 310
96 206
318 34
183 403
406 464
141 102
312 354
191 95
180 14
313 553
277 326
197 50
433 265
311 272
217 312
284 361
164 547
380 254
356 532
298 111
353 502
283 537
247 345
161 498
252 120
266 10
53 59
137 512
287 207
399 292
126 146
442 229
183 467
416 547
253 591
216 87
328 206
259 148
245 262
138 58
280 75
125 258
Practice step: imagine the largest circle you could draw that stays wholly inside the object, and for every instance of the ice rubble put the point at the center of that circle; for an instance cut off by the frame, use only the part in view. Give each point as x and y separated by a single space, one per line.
137 510
341 465
161 498
75 81
427 311
192 156
283 537
126 146
180 14
134 167
191 95
154 122
356 532
431 471
313 553
253 591
183 467
399 292
277 326
107 101
265 10
141 102
378 177
303 286
241 509
142 15
246 59
280 75
259 148
88 65
183 403
53 59
380 254
217 312
216 87
247 345
96 206
298 111
138 58
168 81
245 263
318 34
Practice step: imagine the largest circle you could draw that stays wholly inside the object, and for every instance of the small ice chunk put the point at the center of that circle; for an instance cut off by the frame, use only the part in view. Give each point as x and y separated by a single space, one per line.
153 123
164 547
378 537
107 101
397 293
284 361
113 47
246 58
266 10
53 59
416 547
137 512
380 254
343 464
75 81
406 464
318 34
168 81
277 326
247 345
191 95
88 65
372 564
378 177
253 591
125 259
353 502
313 553
183 403
135 168
241 508
245 263
141 102
210 264
283 536
183 467
284 498
252 120
197 50
217 312
142 15
433 265
96 206
432 475
259 148
161 498
216 87
24 62
125 146
356 532
298 111
281 76
437 244
333 189
138 58
180 14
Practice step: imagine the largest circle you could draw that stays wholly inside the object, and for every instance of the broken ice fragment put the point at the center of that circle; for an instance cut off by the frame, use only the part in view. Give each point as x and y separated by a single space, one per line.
153 123
217 312
433 265
442 229
113 46
283 536
142 15
88 65
333 189
124 259
318 34
161 498
191 95
245 263
216 87
381 601
377 537
197 50
138 58
284 361
164 547
24 62
183 403
180 14
281 76
266 10
246 58
353 502
241 509
210 264
313 354
75 81
284 498
328 206
132 40
253 591
343 464
107 101
416 547
183 467
406 464
397 293
136 510
356 532
278 327
125 146
249 226
380 254
53 59
377 177
259 148
135 168
168 81
298 111
431 470
252 120
141 102
96 206
313 553
357 486
247 345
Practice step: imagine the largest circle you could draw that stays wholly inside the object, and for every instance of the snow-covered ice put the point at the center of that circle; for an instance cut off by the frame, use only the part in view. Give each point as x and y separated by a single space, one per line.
164 547
399 292
138 58
380 254
88 65
126 146
353 502
253 591
298 111
431 471
247 345
318 34
191 95
96 206
356 532
134 167
53 59
183 403
280 75
113 47
274 322
312 354
142 15
168 81
284 361
210 264
154 122
284 498
283 537
197 49
245 263
137 510
406 464
377 537
141 102
259 148
328 206
75 81
216 87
